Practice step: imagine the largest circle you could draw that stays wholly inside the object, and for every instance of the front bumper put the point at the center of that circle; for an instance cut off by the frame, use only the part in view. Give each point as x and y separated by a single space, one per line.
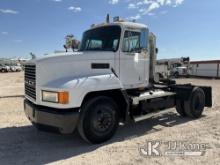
64 119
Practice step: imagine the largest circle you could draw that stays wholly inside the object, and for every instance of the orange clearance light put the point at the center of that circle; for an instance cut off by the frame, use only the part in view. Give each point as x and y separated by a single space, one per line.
63 97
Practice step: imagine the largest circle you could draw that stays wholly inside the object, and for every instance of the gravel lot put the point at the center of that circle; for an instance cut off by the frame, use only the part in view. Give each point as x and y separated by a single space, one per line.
20 143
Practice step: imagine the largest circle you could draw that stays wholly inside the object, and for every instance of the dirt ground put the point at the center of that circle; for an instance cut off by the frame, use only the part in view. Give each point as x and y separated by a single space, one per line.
21 143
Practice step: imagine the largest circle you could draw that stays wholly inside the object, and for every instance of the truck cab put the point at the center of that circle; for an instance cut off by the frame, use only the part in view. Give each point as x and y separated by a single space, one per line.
111 79
181 71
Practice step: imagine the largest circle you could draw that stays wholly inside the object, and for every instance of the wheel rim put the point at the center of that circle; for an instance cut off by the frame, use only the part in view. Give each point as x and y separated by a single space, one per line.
103 120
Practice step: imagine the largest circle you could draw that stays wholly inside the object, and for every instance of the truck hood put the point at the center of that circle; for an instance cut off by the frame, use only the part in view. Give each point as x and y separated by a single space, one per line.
71 65
87 55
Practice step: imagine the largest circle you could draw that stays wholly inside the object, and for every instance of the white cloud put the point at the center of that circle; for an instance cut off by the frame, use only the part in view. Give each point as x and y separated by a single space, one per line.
4 33
8 11
139 3
146 7
161 2
178 2
153 6
75 9
132 6
114 2
168 2
136 17
150 14
143 2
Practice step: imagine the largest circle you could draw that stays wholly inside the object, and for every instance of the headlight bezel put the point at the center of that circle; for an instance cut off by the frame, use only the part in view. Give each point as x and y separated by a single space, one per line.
47 98
58 97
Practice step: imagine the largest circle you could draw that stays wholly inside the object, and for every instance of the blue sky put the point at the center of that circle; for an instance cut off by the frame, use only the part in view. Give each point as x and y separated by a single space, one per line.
183 27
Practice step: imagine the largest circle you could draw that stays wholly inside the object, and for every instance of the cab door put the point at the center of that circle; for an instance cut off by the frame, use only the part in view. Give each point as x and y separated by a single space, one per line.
133 61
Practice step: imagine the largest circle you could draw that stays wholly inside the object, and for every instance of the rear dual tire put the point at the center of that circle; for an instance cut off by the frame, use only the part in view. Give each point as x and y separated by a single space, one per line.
194 106
180 108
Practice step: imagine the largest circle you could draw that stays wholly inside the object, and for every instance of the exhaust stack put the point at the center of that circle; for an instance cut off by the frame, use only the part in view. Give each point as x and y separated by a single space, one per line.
108 18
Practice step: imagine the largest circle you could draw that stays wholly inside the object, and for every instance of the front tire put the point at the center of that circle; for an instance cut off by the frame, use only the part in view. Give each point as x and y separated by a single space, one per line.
98 120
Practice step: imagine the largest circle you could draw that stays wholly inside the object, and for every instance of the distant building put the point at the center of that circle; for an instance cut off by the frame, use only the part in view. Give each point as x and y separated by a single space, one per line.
206 68
4 61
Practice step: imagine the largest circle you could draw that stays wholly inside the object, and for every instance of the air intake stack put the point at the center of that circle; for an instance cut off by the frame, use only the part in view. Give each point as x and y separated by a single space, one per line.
153 57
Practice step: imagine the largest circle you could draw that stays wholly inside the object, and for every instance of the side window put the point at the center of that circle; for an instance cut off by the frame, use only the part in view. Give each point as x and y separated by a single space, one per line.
131 42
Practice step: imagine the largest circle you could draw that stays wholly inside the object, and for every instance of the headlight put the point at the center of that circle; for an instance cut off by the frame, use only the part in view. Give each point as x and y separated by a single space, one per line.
55 97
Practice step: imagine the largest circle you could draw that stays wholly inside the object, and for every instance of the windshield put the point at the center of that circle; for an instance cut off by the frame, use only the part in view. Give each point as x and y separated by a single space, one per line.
101 39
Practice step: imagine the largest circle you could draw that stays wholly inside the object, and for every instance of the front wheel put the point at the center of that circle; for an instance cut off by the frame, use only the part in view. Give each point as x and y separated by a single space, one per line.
98 120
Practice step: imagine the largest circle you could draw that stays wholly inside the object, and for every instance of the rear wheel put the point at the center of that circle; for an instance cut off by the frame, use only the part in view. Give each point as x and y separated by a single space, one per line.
180 108
196 103
99 120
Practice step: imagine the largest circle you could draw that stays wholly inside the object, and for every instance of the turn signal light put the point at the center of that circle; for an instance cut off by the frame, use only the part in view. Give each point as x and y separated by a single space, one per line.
63 97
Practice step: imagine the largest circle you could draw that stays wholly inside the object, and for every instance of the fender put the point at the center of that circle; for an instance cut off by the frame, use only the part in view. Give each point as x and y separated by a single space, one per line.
79 87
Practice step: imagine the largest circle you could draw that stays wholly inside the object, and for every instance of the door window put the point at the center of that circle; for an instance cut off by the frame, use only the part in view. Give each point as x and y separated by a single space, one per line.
131 42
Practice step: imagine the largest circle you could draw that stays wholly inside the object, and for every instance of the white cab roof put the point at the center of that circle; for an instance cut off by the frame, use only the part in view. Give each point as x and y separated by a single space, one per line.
122 24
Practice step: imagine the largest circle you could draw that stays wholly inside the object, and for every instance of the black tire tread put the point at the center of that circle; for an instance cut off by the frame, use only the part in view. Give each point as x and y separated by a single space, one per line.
188 104
180 108
85 109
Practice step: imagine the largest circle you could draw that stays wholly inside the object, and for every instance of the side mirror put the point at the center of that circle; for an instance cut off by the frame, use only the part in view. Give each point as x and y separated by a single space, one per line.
157 50
144 38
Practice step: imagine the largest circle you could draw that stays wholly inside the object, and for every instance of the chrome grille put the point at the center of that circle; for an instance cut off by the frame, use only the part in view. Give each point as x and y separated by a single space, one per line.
30 81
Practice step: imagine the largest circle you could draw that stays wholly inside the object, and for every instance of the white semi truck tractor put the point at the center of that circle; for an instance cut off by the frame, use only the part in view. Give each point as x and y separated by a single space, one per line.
111 80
